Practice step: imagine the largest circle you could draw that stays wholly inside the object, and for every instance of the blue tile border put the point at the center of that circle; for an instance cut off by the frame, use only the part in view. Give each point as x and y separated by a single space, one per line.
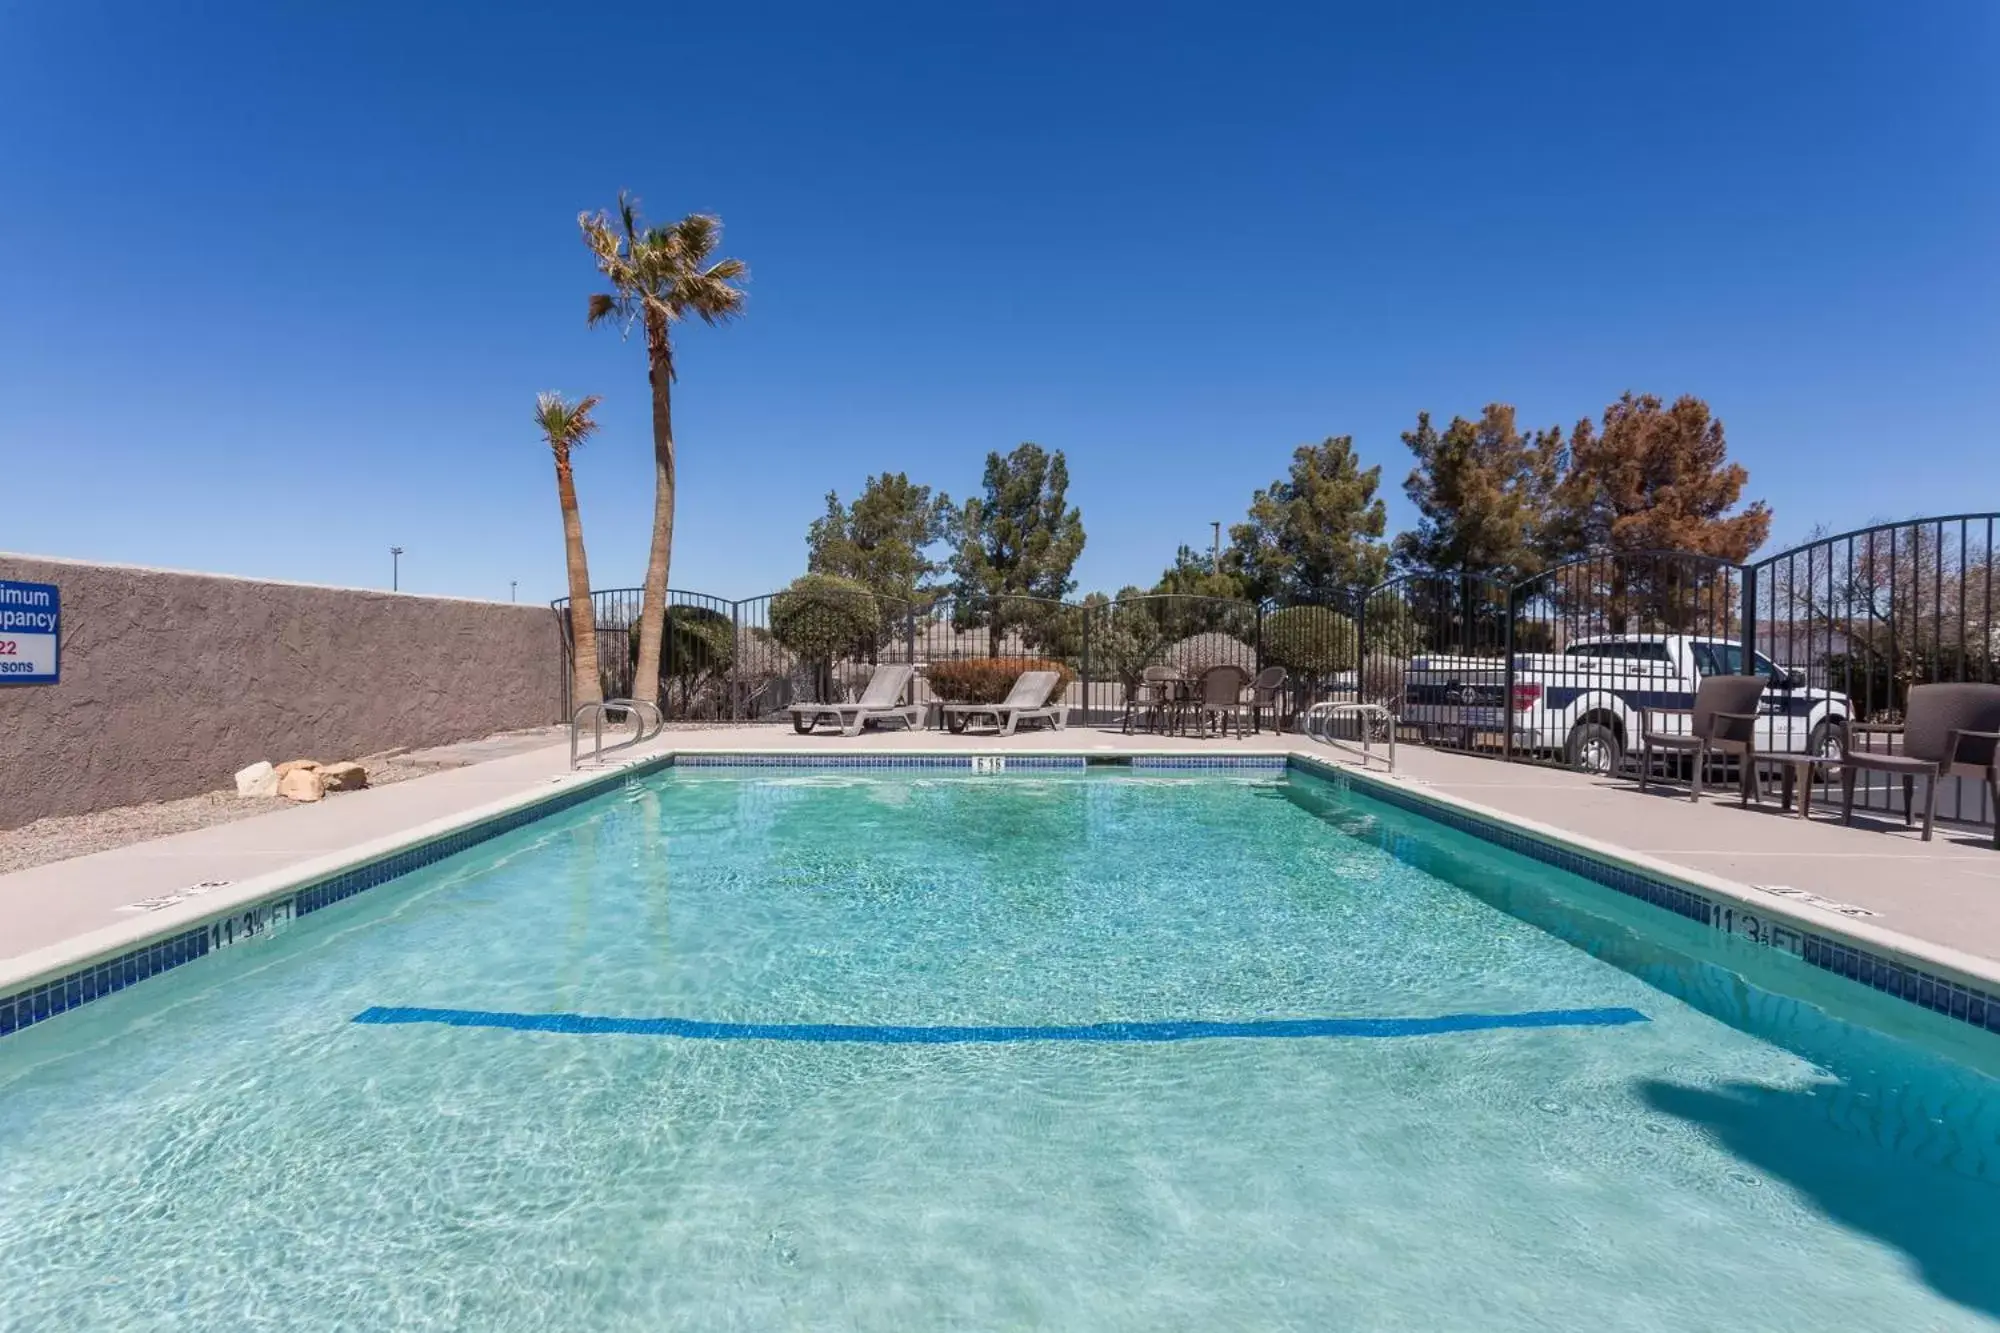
1968 1004
1263 763
933 763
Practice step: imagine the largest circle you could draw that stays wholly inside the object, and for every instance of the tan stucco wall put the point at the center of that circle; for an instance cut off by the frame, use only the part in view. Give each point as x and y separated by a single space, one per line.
173 681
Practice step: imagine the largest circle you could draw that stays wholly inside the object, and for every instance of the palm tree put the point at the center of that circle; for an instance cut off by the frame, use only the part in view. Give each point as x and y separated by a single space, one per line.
565 426
659 275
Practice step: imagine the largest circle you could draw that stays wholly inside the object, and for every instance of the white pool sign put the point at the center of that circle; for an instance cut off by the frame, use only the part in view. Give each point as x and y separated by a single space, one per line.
30 632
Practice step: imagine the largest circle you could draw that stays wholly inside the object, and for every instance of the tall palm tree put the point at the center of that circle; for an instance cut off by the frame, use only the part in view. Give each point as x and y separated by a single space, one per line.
659 276
566 426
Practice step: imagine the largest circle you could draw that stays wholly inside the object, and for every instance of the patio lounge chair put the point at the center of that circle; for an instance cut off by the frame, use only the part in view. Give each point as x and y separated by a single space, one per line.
1028 701
1722 721
1220 695
1949 731
880 702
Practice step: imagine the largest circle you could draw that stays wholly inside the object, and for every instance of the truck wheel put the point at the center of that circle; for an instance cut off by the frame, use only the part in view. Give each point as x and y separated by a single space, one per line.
1594 748
1826 740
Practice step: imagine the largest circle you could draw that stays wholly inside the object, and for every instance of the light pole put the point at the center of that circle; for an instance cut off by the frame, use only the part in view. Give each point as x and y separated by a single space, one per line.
1215 549
513 586
395 568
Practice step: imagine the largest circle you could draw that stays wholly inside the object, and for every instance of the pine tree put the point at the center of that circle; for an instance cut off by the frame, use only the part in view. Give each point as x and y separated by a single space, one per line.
1314 535
1017 542
1485 492
1656 478
883 539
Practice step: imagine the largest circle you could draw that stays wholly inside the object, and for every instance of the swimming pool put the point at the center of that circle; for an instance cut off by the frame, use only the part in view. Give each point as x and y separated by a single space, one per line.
902 1049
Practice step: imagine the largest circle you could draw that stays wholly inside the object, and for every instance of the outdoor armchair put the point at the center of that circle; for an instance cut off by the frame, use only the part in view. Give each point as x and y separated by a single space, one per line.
1949 731
1220 696
1271 690
1723 721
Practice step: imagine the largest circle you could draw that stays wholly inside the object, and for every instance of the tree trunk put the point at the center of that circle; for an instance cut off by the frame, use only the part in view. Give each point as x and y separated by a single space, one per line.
585 686
653 602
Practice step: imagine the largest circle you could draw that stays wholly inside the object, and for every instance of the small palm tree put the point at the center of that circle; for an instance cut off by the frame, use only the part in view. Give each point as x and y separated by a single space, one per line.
659 276
566 426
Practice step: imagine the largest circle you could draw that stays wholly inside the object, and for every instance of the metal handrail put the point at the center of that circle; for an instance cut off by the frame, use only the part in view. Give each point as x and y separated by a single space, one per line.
1317 722
597 709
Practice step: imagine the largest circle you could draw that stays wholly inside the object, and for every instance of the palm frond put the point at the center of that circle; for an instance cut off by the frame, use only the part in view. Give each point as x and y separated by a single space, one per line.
563 424
697 235
628 213
710 298
603 306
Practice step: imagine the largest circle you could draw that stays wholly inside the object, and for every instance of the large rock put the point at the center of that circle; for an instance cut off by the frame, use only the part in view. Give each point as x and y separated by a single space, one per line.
291 764
260 779
343 777
301 784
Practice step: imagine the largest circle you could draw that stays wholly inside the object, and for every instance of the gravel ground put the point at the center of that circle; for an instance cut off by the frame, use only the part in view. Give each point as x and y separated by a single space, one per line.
65 836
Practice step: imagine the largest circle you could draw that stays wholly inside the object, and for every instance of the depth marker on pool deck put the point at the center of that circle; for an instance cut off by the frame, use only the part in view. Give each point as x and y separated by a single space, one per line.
1185 1030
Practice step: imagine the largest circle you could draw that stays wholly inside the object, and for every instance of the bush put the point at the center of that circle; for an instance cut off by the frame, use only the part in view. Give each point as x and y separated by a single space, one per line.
699 639
821 617
987 680
1119 653
1394 627
1197 653
1310 641
1382 681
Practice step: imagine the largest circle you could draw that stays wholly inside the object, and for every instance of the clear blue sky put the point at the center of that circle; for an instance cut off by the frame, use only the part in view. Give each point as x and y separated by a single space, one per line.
278 283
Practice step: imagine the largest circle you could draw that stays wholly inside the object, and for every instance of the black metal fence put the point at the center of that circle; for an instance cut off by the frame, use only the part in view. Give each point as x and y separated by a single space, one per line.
1867 614
1550 669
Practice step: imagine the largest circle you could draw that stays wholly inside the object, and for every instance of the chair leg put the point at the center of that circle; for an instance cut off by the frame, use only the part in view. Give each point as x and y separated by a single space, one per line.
1847 793
1694 783
1909 798
1930 804
1805 792
1993 787
1645 761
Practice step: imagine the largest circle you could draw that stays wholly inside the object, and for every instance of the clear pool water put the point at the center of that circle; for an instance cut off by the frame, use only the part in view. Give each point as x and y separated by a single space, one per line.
226 1148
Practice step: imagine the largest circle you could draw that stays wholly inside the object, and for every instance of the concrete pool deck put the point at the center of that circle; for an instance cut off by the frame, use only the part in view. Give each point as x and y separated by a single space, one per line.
1944 894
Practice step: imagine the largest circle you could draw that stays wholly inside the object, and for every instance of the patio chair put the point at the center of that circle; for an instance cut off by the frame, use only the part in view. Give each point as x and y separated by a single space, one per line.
1152 698
1723 721
1220 695
880 702
1272 690
1949 731
1028 701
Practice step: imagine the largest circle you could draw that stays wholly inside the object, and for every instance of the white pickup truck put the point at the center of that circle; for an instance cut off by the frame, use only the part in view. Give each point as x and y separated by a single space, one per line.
1583 703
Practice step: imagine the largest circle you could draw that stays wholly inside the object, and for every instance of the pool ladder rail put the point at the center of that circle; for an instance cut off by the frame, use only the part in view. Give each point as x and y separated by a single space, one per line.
595 713
1320 720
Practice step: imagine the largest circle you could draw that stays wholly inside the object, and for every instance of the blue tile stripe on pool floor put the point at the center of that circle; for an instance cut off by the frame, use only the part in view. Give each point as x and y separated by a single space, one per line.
893 1035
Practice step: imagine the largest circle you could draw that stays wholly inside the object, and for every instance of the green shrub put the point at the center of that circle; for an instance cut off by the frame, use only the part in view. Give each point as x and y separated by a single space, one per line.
1198 652
699 639
1311 641
821 617
987 680
1382 681
1397 628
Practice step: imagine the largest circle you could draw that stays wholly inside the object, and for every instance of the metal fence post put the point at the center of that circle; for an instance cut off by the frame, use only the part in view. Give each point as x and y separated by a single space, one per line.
1507 682
735 661
1084 655
1361 647
1749 633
